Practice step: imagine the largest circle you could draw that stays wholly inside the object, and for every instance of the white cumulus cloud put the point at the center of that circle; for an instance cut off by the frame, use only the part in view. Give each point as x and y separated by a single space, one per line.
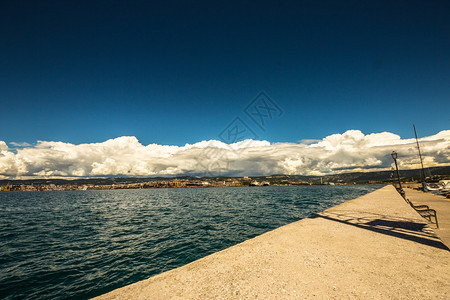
126 156
22 144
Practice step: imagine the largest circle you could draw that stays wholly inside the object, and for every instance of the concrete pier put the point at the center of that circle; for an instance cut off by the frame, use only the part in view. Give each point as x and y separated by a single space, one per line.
372 247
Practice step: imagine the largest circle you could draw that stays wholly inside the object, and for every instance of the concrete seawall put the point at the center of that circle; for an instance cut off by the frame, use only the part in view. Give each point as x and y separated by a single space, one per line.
375 246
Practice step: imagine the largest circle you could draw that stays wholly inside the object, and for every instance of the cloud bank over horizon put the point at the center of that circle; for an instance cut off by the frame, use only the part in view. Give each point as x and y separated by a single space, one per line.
350 151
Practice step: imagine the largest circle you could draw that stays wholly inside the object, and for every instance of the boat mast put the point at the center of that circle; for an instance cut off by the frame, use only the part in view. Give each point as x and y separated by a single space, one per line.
420 154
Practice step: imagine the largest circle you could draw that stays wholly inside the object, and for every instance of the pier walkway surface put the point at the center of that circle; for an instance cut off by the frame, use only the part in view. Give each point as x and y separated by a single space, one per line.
372 247
442 207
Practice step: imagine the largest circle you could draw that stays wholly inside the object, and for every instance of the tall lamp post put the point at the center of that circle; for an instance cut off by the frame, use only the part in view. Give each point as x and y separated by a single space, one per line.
394 156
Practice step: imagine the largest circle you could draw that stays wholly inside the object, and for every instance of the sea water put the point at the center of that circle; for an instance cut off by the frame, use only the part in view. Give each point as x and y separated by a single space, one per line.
80 244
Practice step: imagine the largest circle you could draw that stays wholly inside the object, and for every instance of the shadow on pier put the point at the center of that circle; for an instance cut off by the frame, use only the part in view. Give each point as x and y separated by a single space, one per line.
393 226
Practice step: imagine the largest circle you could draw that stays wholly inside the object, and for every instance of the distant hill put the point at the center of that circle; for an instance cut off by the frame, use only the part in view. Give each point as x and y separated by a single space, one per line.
359 177
355 177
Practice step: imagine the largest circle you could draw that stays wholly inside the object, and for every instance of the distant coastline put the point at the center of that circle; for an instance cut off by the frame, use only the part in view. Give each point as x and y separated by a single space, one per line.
380 177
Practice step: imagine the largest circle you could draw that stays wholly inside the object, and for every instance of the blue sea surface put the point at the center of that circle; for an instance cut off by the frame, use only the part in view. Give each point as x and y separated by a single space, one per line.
80 244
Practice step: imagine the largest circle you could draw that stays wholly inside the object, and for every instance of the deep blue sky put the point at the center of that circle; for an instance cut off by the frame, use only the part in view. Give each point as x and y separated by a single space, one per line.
179 72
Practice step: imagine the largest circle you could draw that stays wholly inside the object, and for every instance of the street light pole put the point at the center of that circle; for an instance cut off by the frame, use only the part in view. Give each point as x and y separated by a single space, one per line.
394 156
393 175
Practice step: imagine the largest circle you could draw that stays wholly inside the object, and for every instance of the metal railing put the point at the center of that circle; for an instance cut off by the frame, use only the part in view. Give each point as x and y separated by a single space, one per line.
423 210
